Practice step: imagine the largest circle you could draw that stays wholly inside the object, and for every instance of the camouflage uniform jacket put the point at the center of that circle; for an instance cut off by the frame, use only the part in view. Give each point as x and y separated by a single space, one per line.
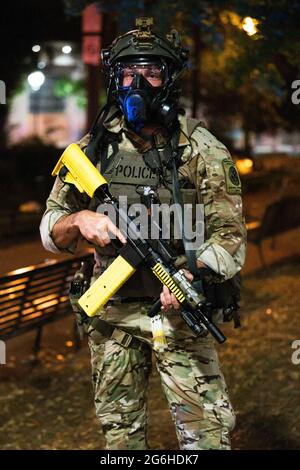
207 165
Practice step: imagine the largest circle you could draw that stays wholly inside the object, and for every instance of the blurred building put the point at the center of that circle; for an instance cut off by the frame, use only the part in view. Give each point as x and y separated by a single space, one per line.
279 142
52 102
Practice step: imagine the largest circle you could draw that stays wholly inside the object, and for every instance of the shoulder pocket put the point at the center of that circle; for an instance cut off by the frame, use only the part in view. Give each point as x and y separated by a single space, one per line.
221 195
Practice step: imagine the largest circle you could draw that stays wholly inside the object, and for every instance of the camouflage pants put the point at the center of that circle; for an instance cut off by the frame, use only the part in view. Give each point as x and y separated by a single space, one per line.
190 376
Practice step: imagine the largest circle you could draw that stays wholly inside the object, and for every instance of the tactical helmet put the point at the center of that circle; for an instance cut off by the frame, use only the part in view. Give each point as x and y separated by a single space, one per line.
142 47
143 42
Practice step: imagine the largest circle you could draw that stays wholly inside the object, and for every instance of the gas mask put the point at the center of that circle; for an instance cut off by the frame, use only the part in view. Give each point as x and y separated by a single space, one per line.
142 94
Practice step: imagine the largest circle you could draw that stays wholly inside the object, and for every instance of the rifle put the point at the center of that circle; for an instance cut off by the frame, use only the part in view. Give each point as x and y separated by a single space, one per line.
74 167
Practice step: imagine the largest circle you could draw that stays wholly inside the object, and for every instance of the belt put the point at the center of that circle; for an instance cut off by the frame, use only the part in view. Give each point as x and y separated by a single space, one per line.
121 337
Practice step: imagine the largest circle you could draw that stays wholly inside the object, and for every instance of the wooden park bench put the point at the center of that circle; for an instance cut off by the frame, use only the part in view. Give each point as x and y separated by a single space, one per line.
279 217
36 295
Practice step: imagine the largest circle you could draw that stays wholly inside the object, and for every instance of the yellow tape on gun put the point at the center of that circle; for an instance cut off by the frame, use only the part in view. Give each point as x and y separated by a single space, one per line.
106 286
85 176
81 172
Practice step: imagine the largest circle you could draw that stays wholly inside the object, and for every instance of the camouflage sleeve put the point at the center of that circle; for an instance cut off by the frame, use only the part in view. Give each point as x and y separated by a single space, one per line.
64 199
219 189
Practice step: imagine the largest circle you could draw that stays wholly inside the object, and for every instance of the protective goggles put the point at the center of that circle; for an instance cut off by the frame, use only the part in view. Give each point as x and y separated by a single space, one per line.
154 73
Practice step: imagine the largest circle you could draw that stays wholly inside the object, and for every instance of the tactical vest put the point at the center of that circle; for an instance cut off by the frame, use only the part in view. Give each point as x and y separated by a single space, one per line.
126 171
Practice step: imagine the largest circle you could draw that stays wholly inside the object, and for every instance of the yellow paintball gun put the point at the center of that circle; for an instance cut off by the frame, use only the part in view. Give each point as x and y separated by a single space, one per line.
74 167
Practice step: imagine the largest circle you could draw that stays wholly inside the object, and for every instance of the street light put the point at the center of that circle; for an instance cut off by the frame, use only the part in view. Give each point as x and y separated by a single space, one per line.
66 49
41 64
36 48
249 25
36 80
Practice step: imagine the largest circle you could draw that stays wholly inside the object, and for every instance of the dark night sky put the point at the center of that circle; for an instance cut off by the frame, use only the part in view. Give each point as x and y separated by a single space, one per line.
36 20
25 23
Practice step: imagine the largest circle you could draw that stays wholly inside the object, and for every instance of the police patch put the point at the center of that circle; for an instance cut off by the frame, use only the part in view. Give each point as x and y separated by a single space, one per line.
130 168
232 179
233 175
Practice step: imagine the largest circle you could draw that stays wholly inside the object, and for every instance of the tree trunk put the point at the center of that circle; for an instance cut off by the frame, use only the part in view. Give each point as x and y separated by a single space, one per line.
3 118
93 93
95 78
247 141
196 71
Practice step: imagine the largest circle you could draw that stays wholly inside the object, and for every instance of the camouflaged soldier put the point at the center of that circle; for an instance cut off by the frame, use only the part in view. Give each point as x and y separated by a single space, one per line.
136 133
